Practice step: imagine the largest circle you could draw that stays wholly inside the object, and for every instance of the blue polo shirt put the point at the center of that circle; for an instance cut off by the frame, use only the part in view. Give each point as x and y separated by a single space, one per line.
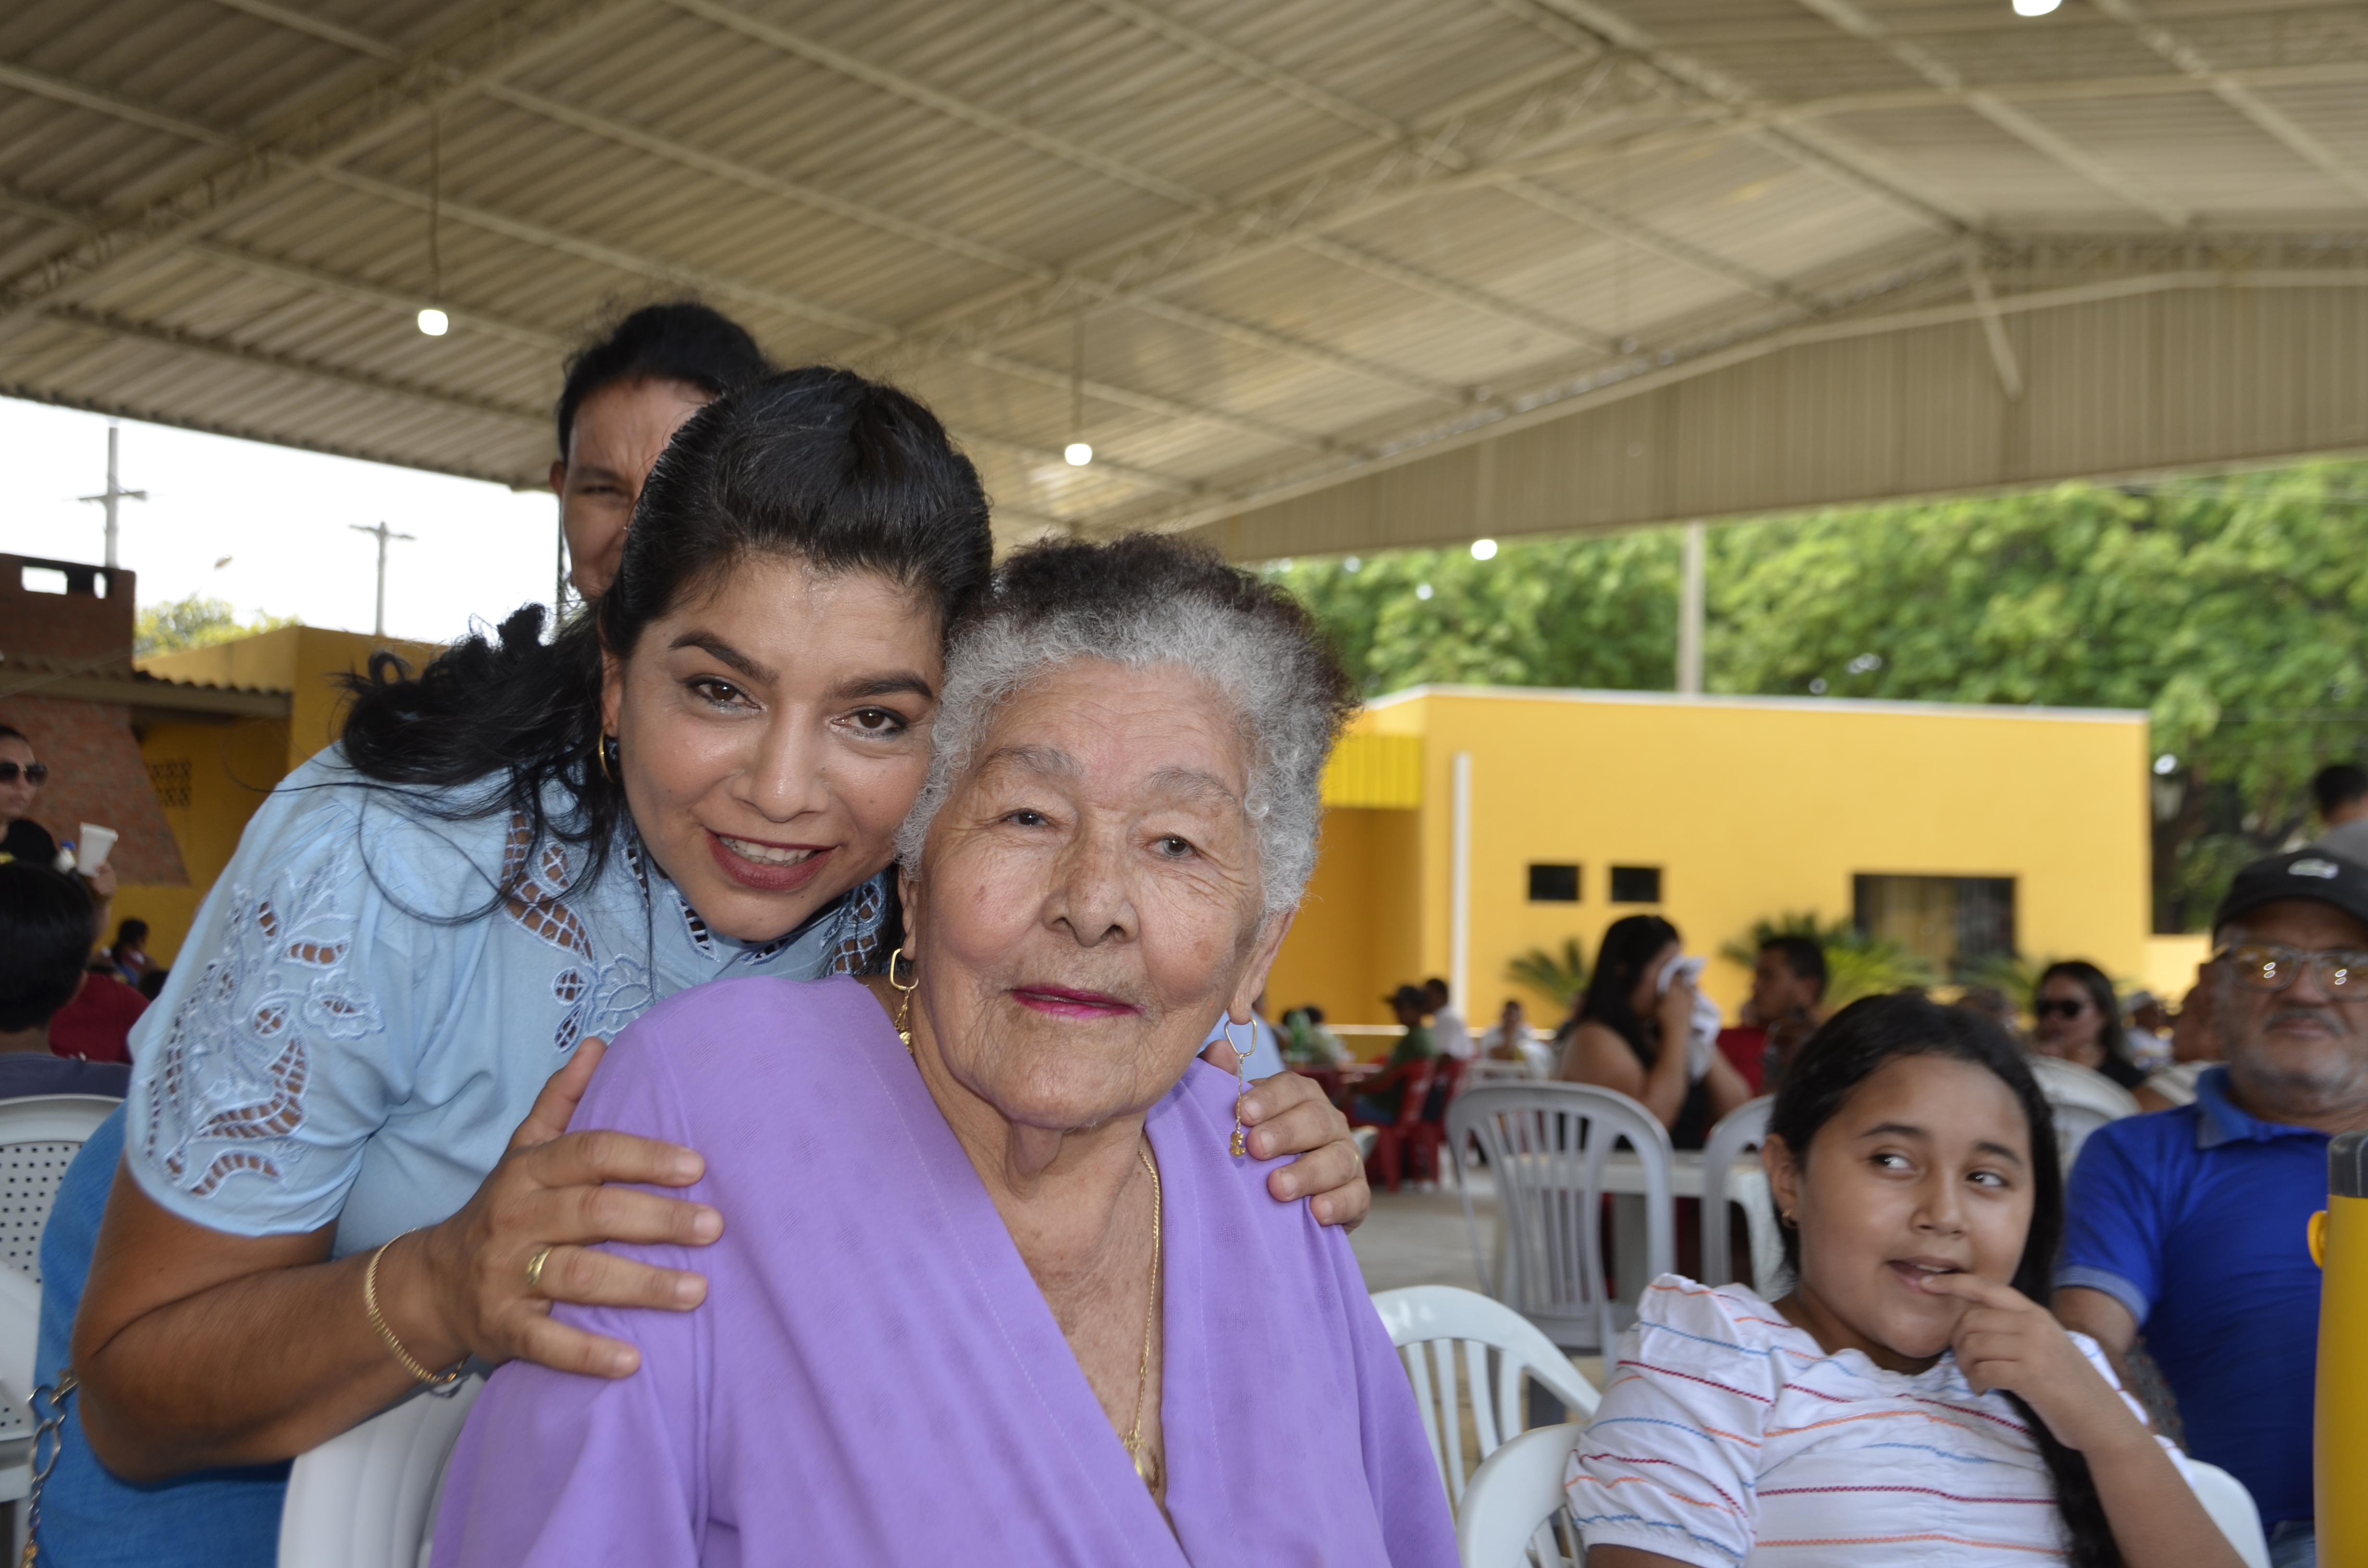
2197 1220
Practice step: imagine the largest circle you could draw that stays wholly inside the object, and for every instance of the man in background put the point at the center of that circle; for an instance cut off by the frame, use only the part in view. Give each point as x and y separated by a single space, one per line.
1788 992
2190 1224
45 938
1448 1031
2342 792
1378 1105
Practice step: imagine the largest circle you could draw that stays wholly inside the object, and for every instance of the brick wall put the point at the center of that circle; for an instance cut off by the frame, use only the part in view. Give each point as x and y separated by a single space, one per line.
96 771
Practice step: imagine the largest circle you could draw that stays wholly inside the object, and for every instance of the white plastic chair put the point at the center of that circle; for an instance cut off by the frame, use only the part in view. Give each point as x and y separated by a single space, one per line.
2082 1100
1511 1510
2231 1507
1545 1145
39 1136
1743 1128
1446 1319
367 1499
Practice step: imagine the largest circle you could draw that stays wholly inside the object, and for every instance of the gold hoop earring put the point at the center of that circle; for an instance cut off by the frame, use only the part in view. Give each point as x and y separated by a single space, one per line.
603 751
905 1008
1240 1145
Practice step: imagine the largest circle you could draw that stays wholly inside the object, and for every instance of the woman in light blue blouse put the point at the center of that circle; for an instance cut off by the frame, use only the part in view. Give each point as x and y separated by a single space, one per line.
389 991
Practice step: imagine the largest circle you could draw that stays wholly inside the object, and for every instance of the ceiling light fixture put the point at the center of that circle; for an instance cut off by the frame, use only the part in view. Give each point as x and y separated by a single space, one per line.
2035 7
1078 454
434 323
1483 549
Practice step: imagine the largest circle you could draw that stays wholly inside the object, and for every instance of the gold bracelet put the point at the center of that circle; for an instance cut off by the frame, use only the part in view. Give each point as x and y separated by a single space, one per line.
377 1321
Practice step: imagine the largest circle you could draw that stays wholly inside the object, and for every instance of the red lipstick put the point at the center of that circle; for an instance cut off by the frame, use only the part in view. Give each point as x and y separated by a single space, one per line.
763 876
1064 1003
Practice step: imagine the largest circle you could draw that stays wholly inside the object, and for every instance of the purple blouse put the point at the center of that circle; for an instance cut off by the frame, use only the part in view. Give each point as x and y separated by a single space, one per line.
875 1377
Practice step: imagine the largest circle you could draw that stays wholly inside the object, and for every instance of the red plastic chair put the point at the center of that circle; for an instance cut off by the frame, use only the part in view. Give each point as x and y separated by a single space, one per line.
1425 1137
1396 1137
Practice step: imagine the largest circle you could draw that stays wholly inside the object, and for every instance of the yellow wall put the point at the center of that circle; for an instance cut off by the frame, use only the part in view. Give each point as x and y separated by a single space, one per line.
233 766
1751 807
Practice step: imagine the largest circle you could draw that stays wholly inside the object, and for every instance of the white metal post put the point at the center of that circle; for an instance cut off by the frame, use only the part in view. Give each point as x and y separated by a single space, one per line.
1458 883
1690 615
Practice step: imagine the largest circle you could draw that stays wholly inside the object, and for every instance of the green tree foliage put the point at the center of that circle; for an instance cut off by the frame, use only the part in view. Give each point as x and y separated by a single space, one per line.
1559 975
1582 612
196 621
2234 612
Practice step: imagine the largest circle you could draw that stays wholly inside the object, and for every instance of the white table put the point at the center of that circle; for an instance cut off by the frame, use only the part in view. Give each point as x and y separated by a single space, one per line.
1624 1178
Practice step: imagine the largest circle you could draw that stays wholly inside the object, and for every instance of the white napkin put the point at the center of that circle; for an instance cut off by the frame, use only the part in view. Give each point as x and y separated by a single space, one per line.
1703 1043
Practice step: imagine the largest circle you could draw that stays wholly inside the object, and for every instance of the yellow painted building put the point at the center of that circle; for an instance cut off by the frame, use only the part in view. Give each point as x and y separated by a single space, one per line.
210 774
1466 826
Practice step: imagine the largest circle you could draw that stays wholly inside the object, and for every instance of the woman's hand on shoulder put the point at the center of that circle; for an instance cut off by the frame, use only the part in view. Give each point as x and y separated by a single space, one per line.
553 1189
1288 1114
2007 1341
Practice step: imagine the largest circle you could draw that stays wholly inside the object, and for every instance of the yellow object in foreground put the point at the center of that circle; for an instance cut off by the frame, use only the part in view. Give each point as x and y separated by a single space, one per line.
2338 1240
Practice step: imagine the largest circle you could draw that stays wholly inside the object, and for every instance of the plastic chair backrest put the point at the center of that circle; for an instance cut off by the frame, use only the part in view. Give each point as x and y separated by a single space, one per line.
1446 1321
1545 1145
1414 1093
367 1499
1508 1512
2231 1507
1740 1129
39 1136
1451 1075
2082 1100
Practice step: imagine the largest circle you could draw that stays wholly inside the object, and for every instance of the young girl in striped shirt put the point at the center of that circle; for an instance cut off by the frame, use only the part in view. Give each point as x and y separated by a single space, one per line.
1911 1399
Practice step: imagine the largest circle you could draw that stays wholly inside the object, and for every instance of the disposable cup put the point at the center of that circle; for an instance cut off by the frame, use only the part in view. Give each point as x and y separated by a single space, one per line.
91 853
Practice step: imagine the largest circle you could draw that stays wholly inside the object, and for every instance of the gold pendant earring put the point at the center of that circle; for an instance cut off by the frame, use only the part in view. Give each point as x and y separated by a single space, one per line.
904 1008
1240 1145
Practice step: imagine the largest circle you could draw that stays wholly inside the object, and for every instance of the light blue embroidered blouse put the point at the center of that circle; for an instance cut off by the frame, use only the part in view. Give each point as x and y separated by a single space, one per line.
351 1034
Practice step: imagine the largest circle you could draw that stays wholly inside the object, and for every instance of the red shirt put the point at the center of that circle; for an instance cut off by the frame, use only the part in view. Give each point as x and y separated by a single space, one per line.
96 1025
1746 1049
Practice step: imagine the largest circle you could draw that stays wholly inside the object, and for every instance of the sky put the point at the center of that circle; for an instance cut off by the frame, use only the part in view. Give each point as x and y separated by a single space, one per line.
266 528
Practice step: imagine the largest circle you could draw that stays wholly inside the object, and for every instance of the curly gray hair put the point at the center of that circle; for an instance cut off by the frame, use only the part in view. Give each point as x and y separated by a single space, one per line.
1140 601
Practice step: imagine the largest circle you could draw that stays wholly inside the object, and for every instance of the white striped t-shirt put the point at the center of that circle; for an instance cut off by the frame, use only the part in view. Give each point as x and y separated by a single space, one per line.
1727 1437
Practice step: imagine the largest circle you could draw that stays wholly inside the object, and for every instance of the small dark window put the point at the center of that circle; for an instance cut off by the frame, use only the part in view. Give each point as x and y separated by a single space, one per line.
1554 884
1635 884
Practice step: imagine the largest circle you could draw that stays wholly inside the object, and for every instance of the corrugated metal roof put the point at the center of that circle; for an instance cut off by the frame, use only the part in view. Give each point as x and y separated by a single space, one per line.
1299 232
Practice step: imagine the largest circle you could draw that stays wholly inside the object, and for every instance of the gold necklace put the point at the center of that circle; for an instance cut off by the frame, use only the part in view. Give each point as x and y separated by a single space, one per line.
1147 1465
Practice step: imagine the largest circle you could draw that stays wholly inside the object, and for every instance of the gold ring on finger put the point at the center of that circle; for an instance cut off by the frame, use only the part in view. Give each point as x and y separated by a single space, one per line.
534 1270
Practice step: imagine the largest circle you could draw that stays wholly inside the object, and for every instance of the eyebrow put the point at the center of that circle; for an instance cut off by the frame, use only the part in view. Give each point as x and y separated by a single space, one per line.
1034 759
1193 783
905 683
724 653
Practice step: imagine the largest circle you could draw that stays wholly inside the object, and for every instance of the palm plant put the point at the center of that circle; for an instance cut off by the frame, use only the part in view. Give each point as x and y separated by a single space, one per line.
1856 964
1561 976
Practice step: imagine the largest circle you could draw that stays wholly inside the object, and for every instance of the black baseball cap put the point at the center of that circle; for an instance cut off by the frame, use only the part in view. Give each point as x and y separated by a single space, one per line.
1410 997
2302 873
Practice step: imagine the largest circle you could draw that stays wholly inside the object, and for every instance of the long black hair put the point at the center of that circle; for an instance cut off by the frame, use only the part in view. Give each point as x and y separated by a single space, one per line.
1848 1051
680 341
1630 946
843 473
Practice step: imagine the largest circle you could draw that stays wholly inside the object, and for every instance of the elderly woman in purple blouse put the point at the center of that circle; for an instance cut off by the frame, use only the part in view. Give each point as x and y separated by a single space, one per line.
1023 1301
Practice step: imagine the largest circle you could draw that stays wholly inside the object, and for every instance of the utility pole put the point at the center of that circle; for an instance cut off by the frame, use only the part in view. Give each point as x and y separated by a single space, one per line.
381 534
113 492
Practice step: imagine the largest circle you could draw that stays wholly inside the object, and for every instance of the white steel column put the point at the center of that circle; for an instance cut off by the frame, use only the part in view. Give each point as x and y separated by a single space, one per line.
1690 615
1458 883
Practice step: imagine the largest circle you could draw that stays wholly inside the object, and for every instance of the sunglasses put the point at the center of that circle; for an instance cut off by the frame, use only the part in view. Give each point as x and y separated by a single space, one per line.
2060 1008
2273 966
34 772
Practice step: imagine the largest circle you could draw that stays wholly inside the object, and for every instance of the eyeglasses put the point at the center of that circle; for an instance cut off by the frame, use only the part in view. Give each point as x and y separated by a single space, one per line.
2060 1008
2273 966
34 772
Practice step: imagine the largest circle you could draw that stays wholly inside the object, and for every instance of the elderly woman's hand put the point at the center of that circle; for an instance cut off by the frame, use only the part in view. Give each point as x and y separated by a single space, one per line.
1287 1114
553 1191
